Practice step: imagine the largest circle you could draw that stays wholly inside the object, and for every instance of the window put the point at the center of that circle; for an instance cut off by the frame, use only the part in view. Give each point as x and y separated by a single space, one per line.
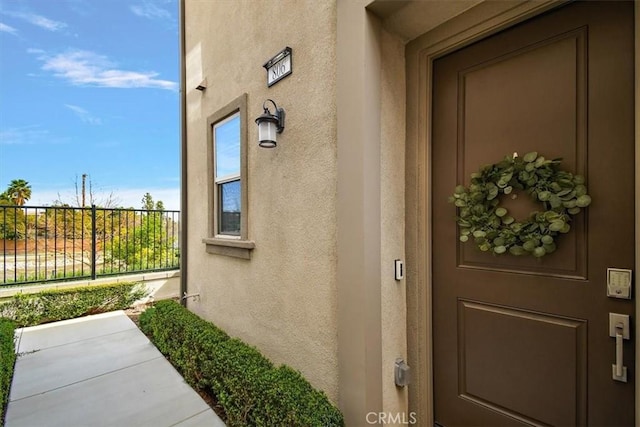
227 152
226 146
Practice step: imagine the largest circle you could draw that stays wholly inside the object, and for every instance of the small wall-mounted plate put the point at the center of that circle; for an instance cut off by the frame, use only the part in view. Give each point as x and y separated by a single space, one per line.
399 269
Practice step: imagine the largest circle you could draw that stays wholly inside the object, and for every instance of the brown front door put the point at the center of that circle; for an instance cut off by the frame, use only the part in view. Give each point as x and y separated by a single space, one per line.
520 340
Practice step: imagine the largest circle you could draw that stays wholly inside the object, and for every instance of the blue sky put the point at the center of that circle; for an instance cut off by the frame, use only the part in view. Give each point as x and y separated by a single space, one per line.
90 87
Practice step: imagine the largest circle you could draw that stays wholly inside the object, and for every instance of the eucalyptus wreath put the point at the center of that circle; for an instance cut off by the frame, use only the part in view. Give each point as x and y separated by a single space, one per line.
481 217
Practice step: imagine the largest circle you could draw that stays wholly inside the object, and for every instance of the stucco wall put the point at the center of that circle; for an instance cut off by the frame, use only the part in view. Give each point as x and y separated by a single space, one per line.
285 299
394 319
371 183
282 300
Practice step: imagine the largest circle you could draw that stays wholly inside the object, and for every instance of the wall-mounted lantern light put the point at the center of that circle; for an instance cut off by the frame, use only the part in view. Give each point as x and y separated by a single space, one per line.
269 125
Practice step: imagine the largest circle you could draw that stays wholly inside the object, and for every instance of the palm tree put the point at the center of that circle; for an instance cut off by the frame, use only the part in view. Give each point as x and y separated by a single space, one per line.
19 191
4 199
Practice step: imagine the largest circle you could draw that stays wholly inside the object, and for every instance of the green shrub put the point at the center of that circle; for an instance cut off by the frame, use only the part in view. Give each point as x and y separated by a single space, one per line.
184 347
246 385
7 361
54 305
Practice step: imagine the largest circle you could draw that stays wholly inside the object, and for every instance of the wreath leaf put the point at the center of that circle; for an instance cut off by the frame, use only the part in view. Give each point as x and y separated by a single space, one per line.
482 219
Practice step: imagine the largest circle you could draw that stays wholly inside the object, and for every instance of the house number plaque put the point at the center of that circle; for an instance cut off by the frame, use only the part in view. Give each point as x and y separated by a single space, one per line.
279 67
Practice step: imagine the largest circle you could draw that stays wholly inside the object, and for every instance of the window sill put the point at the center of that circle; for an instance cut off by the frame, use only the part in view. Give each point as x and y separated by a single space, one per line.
229 247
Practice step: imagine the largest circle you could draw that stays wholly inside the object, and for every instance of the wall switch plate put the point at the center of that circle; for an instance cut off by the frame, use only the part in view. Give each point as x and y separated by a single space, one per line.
399 269
619 283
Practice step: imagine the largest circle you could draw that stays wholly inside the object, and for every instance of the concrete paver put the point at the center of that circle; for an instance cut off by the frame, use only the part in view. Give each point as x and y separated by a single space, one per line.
99 371
68 331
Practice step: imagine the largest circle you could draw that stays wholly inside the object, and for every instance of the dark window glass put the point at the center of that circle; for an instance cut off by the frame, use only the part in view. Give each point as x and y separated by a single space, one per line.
230 208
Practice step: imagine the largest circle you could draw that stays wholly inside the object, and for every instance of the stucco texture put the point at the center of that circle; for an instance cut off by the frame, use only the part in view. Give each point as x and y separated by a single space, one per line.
282 300
392 189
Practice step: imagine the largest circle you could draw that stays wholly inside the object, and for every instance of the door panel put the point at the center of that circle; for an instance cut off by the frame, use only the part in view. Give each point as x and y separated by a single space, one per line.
520 340
553 88
493 353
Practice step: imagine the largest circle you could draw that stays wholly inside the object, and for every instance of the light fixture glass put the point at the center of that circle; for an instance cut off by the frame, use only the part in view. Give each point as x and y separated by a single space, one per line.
269 125
267 134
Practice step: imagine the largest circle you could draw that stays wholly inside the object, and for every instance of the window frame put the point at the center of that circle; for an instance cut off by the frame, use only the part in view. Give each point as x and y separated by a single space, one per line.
220 180
227 244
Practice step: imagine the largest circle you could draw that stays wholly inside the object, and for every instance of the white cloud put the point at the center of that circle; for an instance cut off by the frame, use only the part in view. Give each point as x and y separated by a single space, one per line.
128 197
39 21
84 115
23 135
85 68
150 10
7 29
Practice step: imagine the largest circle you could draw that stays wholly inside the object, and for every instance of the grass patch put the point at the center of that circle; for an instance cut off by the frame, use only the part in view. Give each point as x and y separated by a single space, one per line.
53 305
248 387
7 362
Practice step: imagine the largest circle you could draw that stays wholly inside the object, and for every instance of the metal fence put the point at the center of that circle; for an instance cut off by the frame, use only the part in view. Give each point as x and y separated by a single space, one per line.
44 243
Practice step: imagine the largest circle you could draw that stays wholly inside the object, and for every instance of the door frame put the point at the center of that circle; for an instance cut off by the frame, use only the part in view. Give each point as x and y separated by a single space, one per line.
476 23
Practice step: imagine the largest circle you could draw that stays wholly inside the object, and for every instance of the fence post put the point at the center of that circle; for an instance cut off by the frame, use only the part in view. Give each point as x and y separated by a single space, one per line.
93 242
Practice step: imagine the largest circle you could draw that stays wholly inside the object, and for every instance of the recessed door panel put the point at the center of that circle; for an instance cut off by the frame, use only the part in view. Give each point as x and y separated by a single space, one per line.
524 340
508 358
554 88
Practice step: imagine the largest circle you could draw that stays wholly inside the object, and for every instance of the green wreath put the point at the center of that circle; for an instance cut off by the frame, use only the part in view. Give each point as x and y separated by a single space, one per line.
481 217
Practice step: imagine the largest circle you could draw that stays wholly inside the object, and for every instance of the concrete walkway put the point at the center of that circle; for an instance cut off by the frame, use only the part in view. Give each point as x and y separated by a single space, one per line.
98 371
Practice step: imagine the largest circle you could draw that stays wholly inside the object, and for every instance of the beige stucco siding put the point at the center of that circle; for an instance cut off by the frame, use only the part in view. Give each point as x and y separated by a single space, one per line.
282 300
371 228
394 319
345 192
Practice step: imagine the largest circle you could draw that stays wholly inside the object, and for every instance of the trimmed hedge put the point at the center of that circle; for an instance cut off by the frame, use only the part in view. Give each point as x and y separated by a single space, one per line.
250 389
7 362
61 304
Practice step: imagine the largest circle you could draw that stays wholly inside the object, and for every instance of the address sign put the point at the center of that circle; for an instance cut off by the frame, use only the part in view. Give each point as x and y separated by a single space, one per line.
279 67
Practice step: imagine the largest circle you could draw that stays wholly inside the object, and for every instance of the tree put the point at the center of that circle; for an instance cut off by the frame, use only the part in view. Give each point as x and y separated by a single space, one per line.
19 191
5 200
109 201
85 196
147 202
12 222
149 245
